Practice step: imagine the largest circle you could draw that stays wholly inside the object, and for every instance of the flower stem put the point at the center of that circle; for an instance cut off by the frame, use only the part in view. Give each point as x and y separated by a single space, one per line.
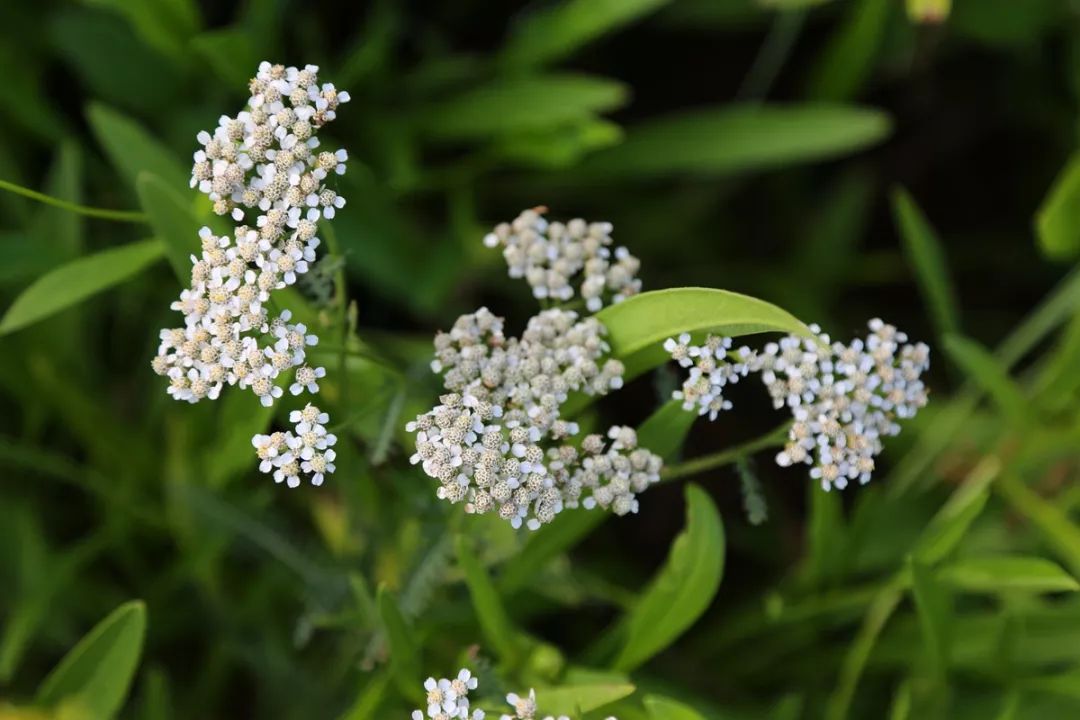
102 213
774 438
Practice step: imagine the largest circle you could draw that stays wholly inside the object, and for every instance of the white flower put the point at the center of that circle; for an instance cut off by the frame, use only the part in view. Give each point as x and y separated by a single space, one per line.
448 699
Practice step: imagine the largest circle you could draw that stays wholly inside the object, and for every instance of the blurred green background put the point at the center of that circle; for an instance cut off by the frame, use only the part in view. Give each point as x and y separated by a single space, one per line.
844 160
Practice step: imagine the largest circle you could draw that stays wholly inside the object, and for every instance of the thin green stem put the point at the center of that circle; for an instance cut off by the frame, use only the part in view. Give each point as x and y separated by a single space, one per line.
774 438
102 213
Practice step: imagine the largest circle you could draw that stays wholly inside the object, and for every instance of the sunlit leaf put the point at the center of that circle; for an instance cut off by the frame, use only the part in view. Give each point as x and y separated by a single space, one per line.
575 699
1058 219
662 708
684 587
78 280
1004 573
98 671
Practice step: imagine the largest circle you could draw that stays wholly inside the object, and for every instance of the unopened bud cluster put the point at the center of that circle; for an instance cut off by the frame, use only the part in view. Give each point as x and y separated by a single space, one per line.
448 699
843 398
263 160
551 256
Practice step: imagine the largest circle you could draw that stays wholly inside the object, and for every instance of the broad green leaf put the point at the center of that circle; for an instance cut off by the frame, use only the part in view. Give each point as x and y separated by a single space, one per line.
986 370
575 699
132 150
662 708
490 612
78 280
665 430
1057 222
522 104
556 31
849 58
404 652
927 258
951 523
1004 573
172 220
684 587
98 671
738 139
932 603
638 326
1056 528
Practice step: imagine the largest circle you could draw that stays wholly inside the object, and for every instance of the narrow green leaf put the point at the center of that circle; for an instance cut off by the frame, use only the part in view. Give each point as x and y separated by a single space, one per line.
98 671
559 147
662 708
229 52
932 603
522 104
490 612
1057 222
1004 573
848 59
951 523
173 221
556 31
927 258
1059 532
78 280
825 535
565 531
404 652
575 699
665 430
684 587
638 326
986 370
162 24
132 150
737 138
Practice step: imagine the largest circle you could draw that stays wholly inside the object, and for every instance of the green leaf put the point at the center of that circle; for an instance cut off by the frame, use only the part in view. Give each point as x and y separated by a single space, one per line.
1003 573
927 257
98 671
989 373
738 139
490 612
665 430
848 59
951 523
662 708
173 221
638 326
522 104
559 147
163 24
684 587
404 651
556 537
230 53
554 32
932 603
1057 223
132 150
1059 532
78 280
575 699
825 535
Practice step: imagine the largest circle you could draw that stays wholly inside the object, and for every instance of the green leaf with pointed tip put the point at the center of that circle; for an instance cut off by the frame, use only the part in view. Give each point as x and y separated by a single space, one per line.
665 430
638 326
932 604
173 221
77 280
948 527
1004 573
404 651
684 587
927 257
490 611
737 138
98 671
1058 530
555 32
522 104
1057 222
132 150
575 699
990 373
662 708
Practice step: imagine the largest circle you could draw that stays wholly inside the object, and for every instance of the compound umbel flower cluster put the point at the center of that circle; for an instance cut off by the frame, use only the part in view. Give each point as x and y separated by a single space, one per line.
843 398
497 441
263 168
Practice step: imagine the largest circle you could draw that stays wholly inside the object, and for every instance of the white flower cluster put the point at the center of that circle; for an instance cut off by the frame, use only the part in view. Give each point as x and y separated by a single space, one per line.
497 441
449 699
525 708
264 158
844 398
550 254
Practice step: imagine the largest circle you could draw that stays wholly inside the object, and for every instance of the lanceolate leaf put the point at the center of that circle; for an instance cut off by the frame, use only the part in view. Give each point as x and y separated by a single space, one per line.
490 612
575 699
132 150
682 590
990 373
1056 528
638 326
173 221
662 708
1058 220
1006 573
924 252
664 431
78 280
98 671
404 653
